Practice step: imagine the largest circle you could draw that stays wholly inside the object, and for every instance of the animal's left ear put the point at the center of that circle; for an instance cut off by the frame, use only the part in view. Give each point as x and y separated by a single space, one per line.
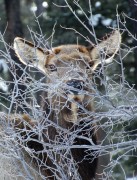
29 54
106 49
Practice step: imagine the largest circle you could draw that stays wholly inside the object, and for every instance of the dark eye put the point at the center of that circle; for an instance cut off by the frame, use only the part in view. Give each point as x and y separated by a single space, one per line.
51 67
91 63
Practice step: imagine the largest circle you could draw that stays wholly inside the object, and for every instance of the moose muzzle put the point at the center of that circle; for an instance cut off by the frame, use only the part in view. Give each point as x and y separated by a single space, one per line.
76 86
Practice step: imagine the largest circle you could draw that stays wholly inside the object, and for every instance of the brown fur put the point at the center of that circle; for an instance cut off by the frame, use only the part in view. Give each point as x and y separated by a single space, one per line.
69 105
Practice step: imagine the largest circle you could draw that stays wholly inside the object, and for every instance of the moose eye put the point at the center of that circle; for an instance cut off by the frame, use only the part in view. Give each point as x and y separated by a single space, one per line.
91 63
51 67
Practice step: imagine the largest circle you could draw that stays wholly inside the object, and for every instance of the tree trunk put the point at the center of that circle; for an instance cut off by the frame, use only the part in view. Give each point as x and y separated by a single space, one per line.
14 29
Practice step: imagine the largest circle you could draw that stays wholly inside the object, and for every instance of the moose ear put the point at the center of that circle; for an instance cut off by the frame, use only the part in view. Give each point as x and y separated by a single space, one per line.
106 49
28 54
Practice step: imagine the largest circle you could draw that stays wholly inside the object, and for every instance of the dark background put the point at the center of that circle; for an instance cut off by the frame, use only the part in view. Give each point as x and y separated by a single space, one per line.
23 17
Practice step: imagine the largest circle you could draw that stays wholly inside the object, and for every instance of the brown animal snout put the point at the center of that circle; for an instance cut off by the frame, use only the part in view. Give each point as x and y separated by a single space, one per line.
76 84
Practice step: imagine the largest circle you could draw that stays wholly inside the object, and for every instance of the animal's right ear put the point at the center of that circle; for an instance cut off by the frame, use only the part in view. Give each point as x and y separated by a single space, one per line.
28 54
106 49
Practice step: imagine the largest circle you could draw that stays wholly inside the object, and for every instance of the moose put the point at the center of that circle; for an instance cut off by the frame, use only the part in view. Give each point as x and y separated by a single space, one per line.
65 146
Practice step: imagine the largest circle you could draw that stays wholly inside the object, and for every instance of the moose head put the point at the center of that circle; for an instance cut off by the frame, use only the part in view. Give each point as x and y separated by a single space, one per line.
69 70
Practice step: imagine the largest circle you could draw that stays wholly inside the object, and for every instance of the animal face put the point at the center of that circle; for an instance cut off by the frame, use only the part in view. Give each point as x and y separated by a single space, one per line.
69 70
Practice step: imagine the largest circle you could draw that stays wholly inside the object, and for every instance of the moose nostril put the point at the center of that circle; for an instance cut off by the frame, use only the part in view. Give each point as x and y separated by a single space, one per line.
78 84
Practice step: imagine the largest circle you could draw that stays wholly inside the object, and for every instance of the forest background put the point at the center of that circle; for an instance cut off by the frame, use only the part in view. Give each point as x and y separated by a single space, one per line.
58 24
